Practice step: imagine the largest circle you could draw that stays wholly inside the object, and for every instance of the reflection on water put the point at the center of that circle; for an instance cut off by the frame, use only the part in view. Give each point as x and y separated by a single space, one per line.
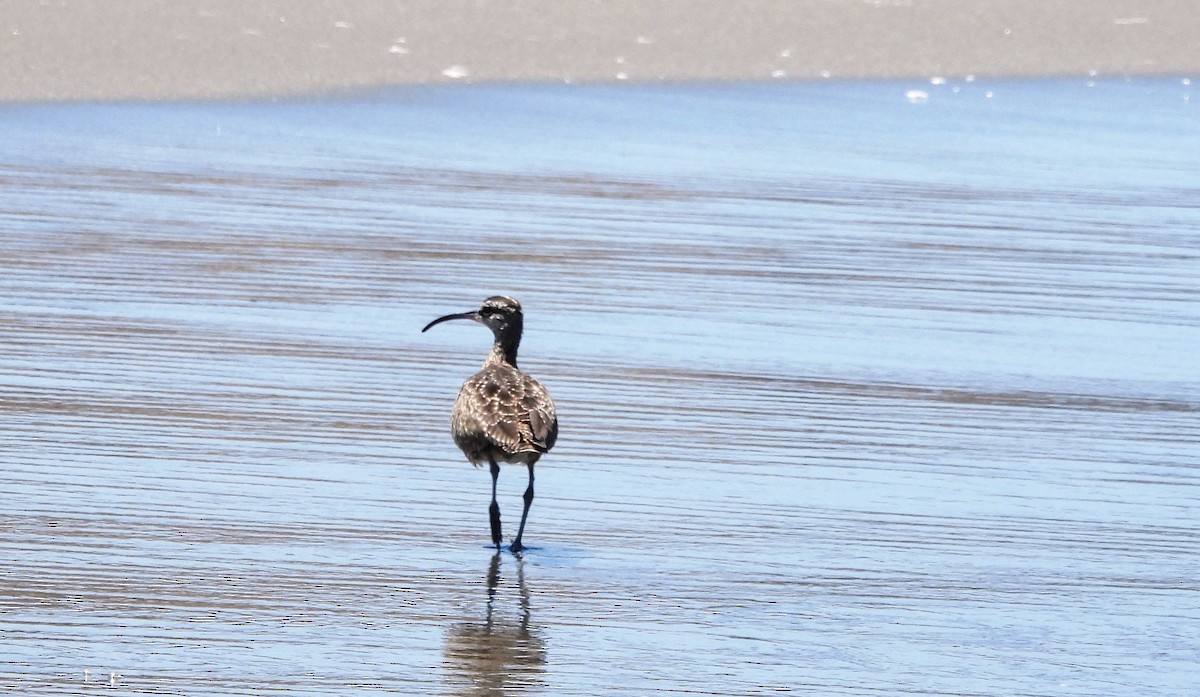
858 396
499 654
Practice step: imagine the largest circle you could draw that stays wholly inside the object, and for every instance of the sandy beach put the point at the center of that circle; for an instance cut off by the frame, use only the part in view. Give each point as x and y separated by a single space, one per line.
150 49
859 396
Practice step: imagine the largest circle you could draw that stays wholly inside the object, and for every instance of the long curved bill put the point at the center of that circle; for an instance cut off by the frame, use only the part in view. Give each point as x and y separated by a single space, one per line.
447 318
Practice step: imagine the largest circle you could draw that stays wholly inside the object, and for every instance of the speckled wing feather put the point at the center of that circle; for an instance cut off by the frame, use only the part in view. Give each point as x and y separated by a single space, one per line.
505 413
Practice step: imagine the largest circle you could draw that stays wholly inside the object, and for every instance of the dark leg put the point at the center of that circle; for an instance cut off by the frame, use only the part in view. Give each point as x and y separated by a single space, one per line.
494 509
516 545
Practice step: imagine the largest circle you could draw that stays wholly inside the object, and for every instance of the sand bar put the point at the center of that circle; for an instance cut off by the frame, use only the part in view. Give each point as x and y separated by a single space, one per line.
159 49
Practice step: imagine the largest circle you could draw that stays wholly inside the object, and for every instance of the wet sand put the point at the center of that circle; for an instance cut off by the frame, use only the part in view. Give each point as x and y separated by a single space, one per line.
858 396
145 49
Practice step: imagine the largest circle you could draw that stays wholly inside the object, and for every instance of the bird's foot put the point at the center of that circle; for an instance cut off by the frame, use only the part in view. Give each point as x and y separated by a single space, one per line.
516 547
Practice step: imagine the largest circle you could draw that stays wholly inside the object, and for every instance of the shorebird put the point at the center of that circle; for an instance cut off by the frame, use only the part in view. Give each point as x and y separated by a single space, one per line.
501 414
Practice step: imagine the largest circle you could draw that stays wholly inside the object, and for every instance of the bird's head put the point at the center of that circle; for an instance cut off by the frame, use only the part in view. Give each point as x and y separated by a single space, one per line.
499 313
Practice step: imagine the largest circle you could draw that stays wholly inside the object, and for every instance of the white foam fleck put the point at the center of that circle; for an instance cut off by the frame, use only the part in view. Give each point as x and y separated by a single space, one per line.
622 76
343 25
826 74
397 49
778 73
1125 21
456 72
937 80
916 95
645 40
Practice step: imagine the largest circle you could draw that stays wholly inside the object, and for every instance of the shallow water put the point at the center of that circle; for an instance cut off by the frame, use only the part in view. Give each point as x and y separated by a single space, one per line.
857 396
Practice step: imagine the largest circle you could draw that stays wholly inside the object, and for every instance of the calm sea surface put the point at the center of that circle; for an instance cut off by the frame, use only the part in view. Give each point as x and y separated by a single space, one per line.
858 396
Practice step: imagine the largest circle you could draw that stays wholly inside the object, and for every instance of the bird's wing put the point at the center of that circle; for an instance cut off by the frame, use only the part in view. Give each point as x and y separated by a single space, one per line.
508 409
540 414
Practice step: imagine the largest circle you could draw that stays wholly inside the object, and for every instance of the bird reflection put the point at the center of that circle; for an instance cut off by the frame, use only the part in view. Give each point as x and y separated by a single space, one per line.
503 654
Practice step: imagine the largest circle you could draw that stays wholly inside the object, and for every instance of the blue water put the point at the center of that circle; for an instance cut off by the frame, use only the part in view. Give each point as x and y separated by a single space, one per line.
858 395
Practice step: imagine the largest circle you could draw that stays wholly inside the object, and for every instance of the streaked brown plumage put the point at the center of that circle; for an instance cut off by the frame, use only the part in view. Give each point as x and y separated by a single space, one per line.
501 414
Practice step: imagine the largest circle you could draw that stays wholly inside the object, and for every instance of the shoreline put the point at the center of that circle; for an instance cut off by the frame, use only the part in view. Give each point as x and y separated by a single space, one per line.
149 50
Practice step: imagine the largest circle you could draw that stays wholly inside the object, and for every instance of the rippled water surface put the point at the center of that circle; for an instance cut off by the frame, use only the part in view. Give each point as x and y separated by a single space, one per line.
857 396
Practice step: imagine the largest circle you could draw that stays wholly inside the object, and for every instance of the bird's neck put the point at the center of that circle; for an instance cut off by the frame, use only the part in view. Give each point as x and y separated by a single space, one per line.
504 352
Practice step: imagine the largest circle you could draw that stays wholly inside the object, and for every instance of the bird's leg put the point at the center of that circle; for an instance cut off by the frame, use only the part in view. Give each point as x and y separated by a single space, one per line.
516 545
494 509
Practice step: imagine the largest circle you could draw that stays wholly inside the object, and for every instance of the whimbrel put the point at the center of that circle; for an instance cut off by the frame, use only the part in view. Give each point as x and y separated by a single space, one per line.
501 414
